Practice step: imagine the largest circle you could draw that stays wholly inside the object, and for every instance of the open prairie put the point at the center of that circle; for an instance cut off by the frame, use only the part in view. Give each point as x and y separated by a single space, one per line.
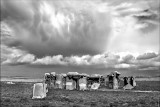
20 95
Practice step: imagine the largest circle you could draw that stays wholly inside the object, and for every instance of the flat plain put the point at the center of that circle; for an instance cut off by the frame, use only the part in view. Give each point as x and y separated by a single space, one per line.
20 95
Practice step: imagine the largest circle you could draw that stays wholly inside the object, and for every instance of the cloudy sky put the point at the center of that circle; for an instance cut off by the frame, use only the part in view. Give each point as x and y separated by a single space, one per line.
99 36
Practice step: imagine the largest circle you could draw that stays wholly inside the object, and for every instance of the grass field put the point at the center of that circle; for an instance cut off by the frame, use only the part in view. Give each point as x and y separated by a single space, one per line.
20 94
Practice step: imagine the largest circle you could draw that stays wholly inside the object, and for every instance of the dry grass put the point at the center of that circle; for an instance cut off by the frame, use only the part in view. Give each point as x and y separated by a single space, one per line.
20 94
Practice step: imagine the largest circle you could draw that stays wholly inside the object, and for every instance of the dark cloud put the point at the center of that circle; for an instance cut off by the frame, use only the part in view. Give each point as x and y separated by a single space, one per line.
54 29
73 27
128 59
14 10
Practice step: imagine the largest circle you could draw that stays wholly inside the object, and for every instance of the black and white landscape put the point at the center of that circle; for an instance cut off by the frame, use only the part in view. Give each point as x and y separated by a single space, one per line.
84 36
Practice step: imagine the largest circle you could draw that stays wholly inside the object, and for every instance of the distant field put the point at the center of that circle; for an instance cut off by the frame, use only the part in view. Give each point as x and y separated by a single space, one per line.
21 79
148 79
20 94
28 79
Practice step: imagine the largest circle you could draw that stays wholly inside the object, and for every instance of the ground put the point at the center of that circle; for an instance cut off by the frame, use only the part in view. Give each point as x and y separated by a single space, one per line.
20 94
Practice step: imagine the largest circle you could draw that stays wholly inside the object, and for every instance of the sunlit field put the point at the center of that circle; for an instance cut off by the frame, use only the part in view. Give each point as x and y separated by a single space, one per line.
20 95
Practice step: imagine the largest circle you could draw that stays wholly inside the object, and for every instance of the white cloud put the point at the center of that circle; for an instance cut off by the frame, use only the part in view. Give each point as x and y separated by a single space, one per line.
147 55
107 60
48 60
28 58
12 55
122 66
123 5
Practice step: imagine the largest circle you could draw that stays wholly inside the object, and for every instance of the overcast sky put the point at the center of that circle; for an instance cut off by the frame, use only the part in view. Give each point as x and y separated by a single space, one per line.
88 36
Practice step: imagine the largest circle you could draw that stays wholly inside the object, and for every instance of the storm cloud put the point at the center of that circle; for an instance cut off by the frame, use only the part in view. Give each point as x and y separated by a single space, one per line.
56 28
69 27
117 34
